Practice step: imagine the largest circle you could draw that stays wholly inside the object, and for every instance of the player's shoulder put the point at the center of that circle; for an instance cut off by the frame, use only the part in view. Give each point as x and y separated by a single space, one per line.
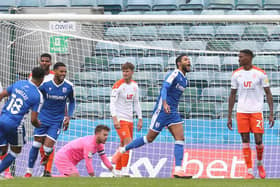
237 70
118 83
69 83
257 69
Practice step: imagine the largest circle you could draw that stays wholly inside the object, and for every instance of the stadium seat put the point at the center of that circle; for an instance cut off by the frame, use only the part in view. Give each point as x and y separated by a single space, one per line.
277 112
266 111
150 64
5 5
222 79
116 63
216 95
159 78
192 5
220 4
255 32
229 32
57 3
184 110
171 32
147 109
230 63
252 45
207 63
80 93
267 62
144 5
108 79
275 33
219 45
199 79
99 94
133 48
165 5
201 32
271 5
112 5
266 12
271 46
249 4
144 33
212 12
144 79
274 79
204 110
160 44
83 3
90 110
182 12
161 12
153 93
117 33
191 95
109 49
29 3
132 13
193 45
239 12
86 79
275 91
223 112
95 63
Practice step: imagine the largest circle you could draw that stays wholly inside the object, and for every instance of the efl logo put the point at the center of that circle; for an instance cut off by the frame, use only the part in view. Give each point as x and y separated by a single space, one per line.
215 163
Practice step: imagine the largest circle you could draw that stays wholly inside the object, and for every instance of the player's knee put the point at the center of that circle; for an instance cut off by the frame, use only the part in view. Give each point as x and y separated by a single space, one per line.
148 139
36 144
48 150
258 142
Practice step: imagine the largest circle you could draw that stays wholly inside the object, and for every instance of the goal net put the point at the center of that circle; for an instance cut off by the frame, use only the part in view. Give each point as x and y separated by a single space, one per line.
95 47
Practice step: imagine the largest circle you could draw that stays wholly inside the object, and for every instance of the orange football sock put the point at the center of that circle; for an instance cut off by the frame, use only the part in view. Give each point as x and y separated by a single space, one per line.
247 155
119 164
2 157
125 158
48 166
259 149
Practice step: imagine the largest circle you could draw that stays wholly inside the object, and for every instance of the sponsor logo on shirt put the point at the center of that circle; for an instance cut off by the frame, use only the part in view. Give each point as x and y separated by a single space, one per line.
179 87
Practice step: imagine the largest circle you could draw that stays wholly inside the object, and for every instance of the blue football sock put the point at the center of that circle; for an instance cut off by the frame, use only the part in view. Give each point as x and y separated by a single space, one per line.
32 156
7 161
178 152
138 142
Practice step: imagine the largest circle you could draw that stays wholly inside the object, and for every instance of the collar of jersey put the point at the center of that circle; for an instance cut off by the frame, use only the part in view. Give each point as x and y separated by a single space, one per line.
58 84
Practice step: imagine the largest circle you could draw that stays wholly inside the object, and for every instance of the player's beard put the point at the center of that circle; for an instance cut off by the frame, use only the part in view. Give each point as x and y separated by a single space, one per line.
185 69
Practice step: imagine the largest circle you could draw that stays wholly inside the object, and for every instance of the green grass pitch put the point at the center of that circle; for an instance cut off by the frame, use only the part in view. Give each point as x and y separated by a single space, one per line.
137 182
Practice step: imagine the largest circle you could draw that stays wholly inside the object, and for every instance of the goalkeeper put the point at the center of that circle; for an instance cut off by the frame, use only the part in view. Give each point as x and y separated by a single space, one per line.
72 153
166 115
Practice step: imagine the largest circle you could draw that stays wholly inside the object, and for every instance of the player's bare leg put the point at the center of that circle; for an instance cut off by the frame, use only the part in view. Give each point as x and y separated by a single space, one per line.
259 149
177 132
48 149
247 153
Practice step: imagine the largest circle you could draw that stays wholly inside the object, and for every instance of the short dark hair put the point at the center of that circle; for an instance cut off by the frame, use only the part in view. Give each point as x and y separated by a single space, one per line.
58 64
99 128
38 73
179 58
46 55
248 52
128 65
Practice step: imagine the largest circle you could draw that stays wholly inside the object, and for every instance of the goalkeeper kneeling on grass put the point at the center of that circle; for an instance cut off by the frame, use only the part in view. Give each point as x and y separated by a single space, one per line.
72 153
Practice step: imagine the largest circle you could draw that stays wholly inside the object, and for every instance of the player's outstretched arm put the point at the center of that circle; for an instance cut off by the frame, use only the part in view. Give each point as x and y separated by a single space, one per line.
270 104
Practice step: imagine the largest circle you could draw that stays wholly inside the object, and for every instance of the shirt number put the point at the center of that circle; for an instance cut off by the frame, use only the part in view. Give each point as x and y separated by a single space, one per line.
15 104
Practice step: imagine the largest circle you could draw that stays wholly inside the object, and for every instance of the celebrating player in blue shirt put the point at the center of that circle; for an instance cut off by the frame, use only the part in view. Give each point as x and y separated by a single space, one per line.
56 93
166 115
23 95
